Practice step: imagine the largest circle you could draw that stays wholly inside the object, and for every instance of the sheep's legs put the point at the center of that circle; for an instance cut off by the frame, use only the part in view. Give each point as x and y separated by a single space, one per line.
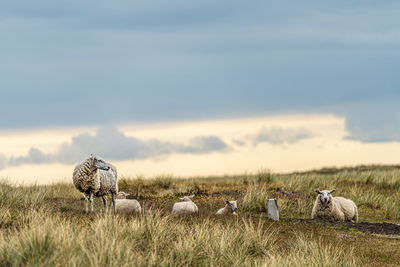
91 202
113 202
105 204
86 202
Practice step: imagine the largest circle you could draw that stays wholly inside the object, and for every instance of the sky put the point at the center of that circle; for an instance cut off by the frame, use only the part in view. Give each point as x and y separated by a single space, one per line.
170 86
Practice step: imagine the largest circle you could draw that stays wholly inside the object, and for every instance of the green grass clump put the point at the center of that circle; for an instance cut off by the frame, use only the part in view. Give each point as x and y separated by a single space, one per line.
255 198
163 181
264 176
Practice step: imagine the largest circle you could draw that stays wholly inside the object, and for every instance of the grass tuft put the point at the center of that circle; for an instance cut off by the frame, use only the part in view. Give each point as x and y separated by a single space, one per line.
255 199
264 176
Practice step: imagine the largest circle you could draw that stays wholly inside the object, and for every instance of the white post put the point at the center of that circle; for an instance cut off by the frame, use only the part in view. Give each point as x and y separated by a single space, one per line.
273 211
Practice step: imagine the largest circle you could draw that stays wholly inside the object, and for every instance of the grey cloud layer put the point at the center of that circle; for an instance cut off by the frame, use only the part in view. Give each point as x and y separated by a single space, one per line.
163 60
374 121
110 143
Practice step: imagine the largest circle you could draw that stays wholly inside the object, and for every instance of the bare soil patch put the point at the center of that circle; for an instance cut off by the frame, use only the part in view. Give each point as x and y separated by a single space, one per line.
233 193
375 228
365 227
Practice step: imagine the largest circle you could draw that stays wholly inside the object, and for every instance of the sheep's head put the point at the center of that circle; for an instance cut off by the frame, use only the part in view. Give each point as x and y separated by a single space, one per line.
186 198
325 196
122 195
232 205
98 163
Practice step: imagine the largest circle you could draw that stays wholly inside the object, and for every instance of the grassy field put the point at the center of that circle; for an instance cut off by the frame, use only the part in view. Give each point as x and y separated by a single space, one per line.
46 225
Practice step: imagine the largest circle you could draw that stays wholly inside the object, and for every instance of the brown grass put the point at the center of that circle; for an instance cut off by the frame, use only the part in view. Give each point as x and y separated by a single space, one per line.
46 225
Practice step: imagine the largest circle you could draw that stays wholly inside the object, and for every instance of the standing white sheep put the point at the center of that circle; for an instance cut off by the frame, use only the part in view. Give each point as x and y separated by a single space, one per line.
187 206
95 177
123 205
332 208
230 207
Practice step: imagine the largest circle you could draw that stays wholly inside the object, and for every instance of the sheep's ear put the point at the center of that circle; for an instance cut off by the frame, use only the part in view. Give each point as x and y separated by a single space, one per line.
317 191
126 194
330 192
181 198
226 201
192 196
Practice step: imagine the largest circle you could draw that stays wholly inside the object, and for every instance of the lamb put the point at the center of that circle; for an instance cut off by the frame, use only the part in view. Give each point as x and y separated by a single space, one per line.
95 177
334 208
230 207
123 205
187 206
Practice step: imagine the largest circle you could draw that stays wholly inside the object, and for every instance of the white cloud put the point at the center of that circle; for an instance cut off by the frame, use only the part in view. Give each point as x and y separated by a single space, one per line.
111 143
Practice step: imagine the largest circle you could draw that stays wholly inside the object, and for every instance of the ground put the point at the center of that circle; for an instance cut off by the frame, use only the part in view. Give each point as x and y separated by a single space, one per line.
47 225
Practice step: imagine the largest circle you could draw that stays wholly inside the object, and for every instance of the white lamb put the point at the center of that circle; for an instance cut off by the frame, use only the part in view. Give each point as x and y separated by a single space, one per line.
334 208
95 177
187 206
123 205
230 207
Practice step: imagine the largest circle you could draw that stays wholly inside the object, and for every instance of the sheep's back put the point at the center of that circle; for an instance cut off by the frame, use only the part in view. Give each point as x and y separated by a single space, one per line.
347 206
184 208
84 182
222 211
108 181
127 206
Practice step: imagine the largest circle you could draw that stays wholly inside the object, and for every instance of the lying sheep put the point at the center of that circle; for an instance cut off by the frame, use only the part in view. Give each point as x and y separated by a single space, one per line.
230 207
333 208
123 205
187 206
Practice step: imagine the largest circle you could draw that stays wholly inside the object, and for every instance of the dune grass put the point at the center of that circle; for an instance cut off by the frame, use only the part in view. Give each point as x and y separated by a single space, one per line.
47 226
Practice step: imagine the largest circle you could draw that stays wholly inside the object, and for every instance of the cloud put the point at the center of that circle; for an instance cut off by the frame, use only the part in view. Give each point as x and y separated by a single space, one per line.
212 59
112 144
202 144
275 136
35 156
3 161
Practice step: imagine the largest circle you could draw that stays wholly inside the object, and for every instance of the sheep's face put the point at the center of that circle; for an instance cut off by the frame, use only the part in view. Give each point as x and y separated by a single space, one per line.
186 198
232 205
98 163
325 196
122 195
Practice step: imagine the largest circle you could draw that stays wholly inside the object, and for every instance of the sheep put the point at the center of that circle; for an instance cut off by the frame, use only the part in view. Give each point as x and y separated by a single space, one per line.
95 177
187 206
230 207
334 208
123 205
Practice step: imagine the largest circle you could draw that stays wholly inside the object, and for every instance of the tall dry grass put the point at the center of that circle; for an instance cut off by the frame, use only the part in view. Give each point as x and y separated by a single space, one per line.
156 240
46 225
